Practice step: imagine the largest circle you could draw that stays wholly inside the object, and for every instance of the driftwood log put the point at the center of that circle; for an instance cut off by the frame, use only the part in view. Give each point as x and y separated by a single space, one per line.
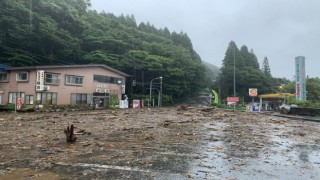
70 134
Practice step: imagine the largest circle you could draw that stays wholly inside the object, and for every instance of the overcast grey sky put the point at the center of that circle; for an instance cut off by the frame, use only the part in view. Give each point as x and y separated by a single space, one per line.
278 29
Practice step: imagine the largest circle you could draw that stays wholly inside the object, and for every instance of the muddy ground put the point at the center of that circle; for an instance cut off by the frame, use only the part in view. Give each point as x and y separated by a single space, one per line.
160 143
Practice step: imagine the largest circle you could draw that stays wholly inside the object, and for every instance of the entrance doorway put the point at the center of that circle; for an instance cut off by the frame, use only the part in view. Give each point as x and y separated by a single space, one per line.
100 100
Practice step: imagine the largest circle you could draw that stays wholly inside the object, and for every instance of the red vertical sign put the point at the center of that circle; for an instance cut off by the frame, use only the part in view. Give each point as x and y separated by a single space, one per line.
19 103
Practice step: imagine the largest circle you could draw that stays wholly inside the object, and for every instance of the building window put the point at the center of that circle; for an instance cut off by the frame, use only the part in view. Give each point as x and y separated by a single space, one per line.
46 98
107 79
52 78
3 76
74 80
22 76
28 99
14 95
81 98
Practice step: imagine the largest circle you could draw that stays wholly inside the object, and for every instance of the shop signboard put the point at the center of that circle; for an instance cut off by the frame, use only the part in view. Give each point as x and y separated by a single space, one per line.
253 92
233 99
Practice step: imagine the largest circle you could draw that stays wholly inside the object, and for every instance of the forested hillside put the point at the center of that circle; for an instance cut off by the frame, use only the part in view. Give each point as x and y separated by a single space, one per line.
50 32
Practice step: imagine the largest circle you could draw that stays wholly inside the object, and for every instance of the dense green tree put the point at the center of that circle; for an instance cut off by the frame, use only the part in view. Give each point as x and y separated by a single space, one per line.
266 68
288 87
313 89
247 73
230 62
282 85
253 60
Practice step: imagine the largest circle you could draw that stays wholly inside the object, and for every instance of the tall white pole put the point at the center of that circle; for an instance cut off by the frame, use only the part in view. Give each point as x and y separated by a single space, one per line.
160 91
234 72
150 92
234 76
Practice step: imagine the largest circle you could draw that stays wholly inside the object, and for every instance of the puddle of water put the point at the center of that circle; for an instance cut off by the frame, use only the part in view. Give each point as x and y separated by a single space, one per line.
277 158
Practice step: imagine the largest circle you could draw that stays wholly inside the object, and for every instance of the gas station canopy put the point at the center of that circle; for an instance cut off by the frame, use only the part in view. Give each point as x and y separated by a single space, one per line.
280 95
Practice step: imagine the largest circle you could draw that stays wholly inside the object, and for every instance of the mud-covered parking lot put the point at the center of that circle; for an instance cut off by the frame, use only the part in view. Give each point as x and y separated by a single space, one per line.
164 143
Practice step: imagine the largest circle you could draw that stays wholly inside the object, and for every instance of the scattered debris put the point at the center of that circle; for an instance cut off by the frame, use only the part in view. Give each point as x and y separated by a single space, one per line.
70 134
157 143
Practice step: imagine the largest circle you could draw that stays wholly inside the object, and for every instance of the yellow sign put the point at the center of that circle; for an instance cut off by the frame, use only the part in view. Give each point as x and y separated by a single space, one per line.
253 92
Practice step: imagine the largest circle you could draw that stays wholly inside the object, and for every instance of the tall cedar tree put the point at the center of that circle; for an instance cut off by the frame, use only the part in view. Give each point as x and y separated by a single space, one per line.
247 73
266 68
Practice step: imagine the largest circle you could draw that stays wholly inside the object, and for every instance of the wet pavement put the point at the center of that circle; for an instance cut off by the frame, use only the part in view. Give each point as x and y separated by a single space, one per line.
164 143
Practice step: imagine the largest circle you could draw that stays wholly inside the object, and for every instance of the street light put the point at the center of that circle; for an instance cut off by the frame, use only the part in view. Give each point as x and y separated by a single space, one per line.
151 88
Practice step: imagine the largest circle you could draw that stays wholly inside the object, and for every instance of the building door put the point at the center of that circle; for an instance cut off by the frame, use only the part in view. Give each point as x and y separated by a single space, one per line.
101 101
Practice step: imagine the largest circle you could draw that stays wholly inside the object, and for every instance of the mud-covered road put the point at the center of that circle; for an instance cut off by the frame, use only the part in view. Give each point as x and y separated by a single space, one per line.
164 143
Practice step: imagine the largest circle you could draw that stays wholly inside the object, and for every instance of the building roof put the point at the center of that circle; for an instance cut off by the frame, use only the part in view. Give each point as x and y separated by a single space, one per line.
3 67
67 66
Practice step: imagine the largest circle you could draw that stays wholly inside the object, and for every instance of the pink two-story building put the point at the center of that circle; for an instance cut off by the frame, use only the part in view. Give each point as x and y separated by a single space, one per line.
61 84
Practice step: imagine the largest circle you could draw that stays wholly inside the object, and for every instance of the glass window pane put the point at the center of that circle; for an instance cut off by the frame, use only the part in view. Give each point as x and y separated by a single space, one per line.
73 98
55 79
3 76
48 78
22 76
78 99
54 98
89 98
27 100
83 99
31 99
74 79
38 96
14 97
43 98
10 97
48 96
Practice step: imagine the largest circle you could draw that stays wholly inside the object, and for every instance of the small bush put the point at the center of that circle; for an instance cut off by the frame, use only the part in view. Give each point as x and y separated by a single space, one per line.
7 107
305 103
114 103
27 108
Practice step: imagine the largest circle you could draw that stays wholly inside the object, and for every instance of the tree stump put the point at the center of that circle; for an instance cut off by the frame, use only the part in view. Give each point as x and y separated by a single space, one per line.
70 134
